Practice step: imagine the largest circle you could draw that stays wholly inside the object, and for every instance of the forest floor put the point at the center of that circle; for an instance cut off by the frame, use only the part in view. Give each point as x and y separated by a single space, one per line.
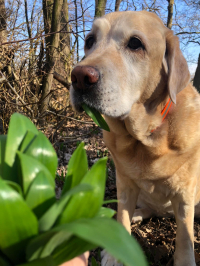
155 235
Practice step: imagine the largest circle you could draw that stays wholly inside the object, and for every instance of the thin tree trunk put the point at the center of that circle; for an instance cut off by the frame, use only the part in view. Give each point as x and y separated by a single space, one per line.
100 6
47 15
83 18
65 36
52 55
117 4
3 33
76 19
170 13
196 81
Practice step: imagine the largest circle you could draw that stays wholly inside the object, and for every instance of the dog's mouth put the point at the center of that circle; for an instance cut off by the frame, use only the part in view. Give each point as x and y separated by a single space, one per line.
107 101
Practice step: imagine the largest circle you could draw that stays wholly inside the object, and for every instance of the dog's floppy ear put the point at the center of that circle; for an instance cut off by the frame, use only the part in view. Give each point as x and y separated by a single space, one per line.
178 73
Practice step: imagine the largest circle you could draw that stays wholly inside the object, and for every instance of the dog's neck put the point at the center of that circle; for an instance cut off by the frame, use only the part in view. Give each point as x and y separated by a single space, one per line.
140 123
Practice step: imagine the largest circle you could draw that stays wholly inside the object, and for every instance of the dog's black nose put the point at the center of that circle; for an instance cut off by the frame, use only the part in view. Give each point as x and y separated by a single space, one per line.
83 77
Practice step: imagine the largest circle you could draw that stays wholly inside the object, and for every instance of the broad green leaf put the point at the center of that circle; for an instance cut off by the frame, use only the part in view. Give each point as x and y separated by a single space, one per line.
77 168
4 261
29 168
49 217
71 248
14 186
105 212
48 261
36 245
54 242
29 137
42 150
96 117
108 234
2 153
93 261
17 224
18 127
87 204
41 195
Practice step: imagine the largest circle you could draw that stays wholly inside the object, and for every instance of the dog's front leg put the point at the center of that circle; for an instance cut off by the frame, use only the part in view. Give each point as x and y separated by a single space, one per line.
184 214
127 194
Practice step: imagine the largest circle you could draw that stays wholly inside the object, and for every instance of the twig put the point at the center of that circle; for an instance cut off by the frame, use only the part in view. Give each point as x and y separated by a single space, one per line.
71 118
76 138
61 79
14 91
186 32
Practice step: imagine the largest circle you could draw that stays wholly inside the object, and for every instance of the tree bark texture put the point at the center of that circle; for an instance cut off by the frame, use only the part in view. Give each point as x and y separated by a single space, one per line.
117 4
196 81
52 54
3 33
170 13
64 37
77 42
100 6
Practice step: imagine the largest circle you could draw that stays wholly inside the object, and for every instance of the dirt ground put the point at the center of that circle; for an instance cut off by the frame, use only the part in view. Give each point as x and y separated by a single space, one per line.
155 235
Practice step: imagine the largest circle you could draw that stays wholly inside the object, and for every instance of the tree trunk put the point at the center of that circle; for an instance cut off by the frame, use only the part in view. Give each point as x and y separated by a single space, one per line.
83 18
170 13
52 53
196 81
64 37
47 6
117 4
3 33
77 42
100 6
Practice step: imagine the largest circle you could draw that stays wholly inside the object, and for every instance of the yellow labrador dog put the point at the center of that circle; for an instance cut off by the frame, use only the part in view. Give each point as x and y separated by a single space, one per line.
135 74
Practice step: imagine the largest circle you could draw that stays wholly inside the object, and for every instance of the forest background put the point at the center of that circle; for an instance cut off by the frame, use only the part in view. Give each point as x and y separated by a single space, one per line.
41 41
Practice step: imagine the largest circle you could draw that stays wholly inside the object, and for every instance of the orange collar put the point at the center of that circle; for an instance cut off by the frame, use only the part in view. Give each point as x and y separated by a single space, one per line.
165 111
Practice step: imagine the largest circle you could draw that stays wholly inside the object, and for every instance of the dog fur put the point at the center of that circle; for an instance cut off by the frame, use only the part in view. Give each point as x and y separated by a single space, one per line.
158 170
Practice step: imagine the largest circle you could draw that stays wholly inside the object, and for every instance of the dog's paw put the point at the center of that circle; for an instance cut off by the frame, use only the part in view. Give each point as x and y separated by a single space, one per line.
108 260
137 216
141 214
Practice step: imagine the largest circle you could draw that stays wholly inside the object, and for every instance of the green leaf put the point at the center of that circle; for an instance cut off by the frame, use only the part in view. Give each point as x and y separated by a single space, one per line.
14 186
41 195
87 204
49 218
108 234
71 248
27 140
93 261
4 261
77 168
96 117
18 127
59 243
110 201
3 139
105 212
36 245
42 150
48 261
29 168
17 224
56 240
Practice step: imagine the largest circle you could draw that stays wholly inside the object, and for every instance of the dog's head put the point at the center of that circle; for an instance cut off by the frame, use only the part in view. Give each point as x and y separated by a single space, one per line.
129 57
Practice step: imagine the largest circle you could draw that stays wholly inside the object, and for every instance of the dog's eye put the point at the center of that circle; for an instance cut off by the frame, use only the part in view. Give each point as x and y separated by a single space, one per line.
134 43
89 42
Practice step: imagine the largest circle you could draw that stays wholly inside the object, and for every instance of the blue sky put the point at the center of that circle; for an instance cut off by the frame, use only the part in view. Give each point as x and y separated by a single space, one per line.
186 18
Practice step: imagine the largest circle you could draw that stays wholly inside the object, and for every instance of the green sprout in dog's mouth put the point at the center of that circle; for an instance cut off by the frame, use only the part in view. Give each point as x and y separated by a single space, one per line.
96 117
